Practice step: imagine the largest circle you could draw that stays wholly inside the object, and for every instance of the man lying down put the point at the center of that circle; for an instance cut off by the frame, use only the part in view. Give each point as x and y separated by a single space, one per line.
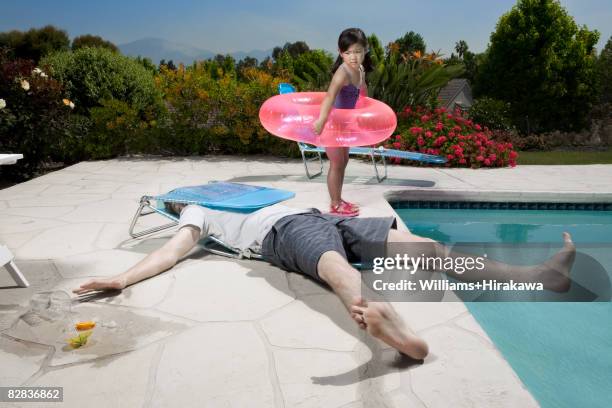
322 246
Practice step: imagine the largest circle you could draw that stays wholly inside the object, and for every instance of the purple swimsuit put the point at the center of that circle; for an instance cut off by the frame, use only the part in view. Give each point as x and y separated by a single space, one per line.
348 95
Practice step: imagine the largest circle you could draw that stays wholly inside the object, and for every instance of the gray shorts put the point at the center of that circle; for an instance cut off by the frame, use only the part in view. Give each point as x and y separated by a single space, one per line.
296 242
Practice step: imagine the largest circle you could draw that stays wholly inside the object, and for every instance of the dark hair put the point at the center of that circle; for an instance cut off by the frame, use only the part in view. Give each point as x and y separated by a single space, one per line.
173 208
349 37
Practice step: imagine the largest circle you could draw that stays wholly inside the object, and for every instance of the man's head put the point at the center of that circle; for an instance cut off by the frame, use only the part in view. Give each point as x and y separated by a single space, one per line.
174 208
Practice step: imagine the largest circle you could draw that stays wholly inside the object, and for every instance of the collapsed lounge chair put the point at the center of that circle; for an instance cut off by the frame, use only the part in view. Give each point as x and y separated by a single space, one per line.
216 195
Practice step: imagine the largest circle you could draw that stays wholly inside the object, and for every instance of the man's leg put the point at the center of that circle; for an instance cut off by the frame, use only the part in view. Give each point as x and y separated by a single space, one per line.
378 318
553 274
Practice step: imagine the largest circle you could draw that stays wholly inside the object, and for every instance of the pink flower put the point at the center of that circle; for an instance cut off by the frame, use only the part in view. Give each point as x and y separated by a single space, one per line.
462 161
487 162
450 156
415 130
398 137
428 133
492 157
397 145
477 127
513 155
439 126
424 118
420 141
480 158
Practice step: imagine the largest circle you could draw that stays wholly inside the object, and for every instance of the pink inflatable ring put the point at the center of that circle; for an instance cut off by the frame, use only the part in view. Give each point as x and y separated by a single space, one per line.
291 116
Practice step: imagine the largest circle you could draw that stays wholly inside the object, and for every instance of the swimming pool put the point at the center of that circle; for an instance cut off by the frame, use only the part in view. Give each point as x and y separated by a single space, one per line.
561 351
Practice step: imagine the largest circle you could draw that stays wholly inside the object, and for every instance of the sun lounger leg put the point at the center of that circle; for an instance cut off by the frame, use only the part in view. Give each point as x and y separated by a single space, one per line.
384 162
305 160
6 260
144 203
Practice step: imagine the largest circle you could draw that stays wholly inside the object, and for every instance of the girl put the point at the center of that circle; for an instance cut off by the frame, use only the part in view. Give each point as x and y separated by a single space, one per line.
346 85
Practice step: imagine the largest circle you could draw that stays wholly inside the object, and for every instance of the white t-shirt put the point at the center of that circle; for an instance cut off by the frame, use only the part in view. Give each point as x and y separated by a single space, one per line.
238 230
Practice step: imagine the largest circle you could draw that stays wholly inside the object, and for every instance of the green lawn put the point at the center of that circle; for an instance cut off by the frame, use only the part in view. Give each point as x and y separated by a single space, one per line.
560 157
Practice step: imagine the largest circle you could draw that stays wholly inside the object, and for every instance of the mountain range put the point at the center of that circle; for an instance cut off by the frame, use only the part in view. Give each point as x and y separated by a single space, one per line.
157 49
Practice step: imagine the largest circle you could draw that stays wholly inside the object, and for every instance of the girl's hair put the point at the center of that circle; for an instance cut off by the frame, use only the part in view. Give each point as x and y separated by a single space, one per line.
349 37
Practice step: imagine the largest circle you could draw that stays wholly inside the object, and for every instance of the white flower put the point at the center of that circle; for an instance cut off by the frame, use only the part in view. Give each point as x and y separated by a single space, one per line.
38 71
2 104
25 85
71 105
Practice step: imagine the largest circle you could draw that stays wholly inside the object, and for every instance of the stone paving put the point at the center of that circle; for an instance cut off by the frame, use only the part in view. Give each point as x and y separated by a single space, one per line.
215 332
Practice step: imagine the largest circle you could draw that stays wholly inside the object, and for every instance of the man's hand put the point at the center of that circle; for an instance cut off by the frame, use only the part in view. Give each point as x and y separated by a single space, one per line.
94 285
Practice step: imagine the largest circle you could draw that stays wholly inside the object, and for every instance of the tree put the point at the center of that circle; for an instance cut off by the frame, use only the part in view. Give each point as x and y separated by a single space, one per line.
36 42
246 62
465 57
461 47
604 72
377 52
541 62
294 49
312 70
170 64
89 40
411 42
147 63
226 62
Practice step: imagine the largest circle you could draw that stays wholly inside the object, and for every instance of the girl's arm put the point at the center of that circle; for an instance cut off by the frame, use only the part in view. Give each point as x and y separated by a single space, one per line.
156 262
336 84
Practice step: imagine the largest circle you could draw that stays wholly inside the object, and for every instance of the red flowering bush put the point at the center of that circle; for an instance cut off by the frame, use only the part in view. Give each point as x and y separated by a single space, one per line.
452 135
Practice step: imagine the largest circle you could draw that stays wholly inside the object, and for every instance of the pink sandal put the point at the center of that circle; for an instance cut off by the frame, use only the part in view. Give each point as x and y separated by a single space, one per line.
354 207
344 210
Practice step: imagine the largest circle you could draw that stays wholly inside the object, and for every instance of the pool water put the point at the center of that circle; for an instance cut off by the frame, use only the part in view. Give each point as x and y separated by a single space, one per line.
561 351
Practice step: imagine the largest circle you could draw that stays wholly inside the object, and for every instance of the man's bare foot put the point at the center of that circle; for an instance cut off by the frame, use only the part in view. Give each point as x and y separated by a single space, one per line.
94 285
554 273
383 322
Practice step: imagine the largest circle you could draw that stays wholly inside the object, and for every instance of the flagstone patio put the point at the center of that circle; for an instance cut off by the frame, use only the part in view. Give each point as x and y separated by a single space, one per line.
216 332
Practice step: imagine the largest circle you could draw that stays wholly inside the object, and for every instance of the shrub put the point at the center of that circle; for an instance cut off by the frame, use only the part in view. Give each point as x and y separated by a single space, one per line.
208 115
119 129
463 142
409 80
95 74
34 114
493 113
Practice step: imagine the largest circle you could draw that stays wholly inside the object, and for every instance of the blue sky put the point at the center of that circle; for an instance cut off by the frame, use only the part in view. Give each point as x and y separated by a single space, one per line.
237 25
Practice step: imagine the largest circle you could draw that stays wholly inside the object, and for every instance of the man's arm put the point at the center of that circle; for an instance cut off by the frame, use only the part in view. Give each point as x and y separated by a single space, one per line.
156 262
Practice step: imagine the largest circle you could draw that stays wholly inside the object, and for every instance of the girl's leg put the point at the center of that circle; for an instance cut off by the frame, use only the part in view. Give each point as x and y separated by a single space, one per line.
335 177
